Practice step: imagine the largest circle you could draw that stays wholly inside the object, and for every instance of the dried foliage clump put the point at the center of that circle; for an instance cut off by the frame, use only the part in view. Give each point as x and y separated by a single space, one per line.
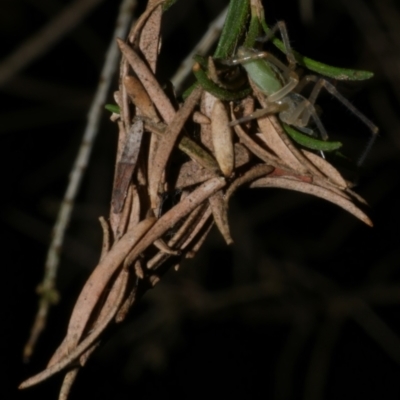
191 150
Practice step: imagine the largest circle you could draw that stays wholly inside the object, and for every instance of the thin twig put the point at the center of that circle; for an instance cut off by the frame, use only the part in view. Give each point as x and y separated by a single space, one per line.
81 161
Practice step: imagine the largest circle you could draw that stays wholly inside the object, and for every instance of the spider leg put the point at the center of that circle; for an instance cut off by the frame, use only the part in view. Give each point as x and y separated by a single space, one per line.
281 26
271 109
299 111
323 83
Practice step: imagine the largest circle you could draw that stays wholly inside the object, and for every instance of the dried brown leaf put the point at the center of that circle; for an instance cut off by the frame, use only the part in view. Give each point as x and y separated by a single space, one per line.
327 169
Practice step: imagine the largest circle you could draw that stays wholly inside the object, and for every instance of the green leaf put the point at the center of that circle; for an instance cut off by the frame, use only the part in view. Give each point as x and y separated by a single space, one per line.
310 142
211 87
235 23
341 74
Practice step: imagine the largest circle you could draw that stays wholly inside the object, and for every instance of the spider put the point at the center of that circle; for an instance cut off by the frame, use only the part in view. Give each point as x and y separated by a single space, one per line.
281 86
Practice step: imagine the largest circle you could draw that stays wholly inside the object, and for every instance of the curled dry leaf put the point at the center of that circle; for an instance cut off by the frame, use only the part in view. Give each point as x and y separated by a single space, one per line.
95 286
323 193
90 339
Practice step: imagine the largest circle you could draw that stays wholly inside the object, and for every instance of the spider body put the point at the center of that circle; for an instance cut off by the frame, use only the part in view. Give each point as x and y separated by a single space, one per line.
281 86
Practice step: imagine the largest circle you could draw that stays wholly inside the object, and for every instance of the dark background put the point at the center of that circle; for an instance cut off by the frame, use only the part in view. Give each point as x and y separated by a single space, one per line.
304 305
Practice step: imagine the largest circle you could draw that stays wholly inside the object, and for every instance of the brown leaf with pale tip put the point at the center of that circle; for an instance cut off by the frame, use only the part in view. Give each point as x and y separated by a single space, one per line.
221 135
219 208
323 193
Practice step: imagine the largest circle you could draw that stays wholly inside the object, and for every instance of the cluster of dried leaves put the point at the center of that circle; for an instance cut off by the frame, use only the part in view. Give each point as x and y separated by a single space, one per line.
154 133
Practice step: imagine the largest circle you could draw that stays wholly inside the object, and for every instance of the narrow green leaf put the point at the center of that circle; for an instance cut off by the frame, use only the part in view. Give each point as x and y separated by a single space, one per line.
211 87
235 23
341 74
309 142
